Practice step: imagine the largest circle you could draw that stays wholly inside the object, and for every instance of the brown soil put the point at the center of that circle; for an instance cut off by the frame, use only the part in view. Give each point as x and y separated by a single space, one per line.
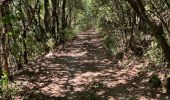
82 71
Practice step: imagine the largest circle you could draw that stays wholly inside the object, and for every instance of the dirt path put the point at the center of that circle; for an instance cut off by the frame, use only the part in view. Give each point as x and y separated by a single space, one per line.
82 71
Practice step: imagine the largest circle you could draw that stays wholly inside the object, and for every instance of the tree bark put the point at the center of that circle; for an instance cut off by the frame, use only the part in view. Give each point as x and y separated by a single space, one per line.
46 15
53 23
156 28
63 20
4 12
57 17
24 36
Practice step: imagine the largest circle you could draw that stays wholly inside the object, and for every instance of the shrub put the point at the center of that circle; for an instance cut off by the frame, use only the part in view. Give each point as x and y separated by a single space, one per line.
7 91
110 43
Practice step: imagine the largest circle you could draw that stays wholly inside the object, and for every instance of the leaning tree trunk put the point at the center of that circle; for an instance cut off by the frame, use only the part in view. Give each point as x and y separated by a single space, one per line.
158 30
156 27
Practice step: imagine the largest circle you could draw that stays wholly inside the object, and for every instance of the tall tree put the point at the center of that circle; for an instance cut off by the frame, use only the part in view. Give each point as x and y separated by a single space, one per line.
64 22
4 14
46 15
156 27
54 14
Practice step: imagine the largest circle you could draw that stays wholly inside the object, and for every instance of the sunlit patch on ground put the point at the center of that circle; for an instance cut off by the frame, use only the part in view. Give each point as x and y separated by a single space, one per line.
82 69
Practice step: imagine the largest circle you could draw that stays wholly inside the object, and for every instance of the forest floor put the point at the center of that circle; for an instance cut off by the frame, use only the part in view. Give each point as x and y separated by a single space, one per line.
83 71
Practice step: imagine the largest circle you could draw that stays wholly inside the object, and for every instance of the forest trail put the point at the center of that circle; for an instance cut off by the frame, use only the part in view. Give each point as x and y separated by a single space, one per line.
82 71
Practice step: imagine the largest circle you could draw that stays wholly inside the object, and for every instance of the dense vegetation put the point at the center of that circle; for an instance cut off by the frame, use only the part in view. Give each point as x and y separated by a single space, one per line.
131 29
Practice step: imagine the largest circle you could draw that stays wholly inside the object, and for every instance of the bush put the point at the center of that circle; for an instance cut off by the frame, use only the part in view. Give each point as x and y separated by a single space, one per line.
110 43
50 43
70 35
155 53
7 91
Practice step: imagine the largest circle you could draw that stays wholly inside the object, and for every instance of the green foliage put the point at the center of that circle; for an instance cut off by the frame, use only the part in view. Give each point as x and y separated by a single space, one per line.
70 34
110 42
102 2
155 53
154 81
35 49
85 18
79 5
6 90
4 81
50 43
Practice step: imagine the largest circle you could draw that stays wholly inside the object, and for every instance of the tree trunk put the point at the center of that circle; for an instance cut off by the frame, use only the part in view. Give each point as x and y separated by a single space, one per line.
162 42
4 12
46 16
24 36
156 28
57 17
63 27
53 24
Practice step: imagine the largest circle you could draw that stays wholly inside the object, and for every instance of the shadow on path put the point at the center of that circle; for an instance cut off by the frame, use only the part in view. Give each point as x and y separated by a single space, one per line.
73 73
